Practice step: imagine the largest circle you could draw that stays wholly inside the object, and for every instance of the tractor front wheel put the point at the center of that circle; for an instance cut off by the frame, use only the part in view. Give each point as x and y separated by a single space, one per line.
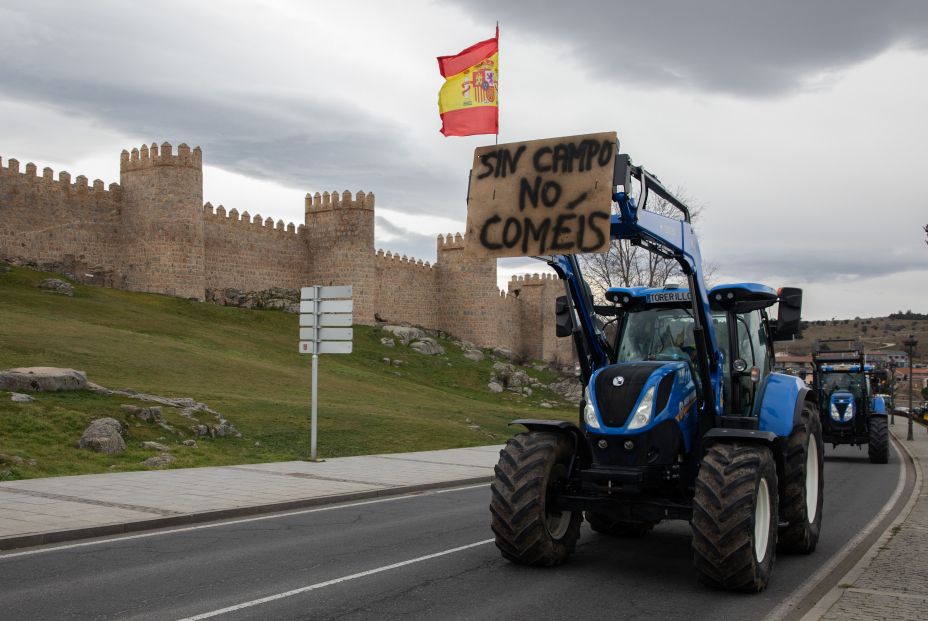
735 517
878 444
532 467
803 484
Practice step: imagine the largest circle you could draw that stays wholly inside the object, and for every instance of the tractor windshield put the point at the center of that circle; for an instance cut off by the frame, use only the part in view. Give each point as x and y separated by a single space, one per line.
658 334
851 382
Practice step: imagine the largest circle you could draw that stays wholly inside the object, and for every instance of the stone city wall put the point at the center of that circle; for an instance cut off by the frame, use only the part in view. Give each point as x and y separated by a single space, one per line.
152 232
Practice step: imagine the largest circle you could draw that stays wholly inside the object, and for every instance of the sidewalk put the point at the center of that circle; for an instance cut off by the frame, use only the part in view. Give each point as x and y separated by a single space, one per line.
890 582
40 511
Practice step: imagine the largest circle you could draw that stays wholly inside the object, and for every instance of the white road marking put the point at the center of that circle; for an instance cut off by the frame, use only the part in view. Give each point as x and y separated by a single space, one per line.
321 585
787 606
273 516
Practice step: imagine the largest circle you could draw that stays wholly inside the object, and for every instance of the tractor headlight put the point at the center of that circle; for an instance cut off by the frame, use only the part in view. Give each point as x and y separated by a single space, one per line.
835 414
849 412
589 412
643 412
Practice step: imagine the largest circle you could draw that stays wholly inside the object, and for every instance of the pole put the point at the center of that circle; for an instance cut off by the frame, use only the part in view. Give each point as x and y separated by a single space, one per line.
892 395
911 401
312 438
313 419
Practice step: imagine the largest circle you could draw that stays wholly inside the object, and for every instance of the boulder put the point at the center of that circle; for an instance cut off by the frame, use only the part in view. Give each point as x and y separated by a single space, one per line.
495 387
405 334
156 446
56 285
385 360
103 435
474 355
42 379
190 443
20 398
503 352
569 388
387 342
427 346
149 415
158 461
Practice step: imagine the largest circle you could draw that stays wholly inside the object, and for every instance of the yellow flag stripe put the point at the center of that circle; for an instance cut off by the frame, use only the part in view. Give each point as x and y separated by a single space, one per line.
476 86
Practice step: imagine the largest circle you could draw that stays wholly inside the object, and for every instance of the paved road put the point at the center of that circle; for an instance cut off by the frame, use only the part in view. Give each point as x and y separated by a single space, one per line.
418 557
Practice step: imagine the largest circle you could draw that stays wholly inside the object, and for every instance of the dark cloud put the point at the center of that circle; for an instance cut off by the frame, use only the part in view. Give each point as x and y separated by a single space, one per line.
744 47
141 87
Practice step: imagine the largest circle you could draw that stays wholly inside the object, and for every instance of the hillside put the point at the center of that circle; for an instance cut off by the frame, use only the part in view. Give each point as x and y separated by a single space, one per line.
875 332
242 363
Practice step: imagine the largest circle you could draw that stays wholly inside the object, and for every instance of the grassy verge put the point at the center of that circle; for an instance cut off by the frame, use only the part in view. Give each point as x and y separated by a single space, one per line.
242 363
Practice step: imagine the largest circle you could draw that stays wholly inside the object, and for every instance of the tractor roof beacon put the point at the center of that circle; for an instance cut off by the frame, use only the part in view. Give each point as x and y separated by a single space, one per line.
682 417
843 385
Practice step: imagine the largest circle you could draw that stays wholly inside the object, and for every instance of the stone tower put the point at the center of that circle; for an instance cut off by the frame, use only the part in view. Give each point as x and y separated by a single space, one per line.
340 237
466 289
162 220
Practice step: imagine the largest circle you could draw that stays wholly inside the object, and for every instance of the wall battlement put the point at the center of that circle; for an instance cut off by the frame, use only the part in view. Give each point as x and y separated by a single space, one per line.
450 242
150 157
326 201
219 215
62 184
153 232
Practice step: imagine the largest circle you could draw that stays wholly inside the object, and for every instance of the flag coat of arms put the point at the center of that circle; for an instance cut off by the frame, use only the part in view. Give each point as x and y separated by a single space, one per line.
469 99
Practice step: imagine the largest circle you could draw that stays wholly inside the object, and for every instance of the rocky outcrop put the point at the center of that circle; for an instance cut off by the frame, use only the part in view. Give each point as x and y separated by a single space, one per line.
42 379
149 415
278 298
56 285
569 388
405 334
427 346
18 397
155 446
103 435
158 461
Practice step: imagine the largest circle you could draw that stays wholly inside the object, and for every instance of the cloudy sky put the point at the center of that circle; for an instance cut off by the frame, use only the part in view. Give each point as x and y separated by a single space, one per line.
799 126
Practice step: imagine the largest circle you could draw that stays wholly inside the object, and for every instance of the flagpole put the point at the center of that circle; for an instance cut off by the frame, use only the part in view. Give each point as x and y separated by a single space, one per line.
497 81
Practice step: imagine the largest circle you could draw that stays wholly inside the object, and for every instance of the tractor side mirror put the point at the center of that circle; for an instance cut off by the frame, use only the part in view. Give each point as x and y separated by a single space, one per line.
788 314
563 322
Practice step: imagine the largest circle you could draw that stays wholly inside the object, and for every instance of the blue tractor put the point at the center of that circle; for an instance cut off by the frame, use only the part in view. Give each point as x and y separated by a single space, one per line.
850 412
682 417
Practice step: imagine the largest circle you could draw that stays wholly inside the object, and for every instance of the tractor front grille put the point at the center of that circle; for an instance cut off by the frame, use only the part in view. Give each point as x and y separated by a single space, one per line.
615 403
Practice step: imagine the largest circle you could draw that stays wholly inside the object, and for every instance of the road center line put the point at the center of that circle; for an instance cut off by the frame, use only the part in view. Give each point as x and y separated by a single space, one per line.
321 585
273 516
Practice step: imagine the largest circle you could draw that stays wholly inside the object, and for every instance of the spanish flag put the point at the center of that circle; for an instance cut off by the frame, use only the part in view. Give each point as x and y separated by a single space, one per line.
469 100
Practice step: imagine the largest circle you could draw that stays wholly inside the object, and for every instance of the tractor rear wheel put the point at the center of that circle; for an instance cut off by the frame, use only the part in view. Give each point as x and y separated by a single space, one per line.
602 523
531 468
735 517
878 444
803 484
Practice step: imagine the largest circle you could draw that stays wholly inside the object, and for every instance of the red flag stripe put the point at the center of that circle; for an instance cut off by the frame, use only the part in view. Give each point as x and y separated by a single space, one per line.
453 65
470 121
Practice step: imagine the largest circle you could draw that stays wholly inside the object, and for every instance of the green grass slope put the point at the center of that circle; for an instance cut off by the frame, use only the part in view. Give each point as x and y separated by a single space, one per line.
242 363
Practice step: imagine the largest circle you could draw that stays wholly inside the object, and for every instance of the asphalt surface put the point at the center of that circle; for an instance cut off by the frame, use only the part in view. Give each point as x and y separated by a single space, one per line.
424 556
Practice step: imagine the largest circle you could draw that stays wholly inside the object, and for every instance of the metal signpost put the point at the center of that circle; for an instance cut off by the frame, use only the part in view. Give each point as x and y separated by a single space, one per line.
325 328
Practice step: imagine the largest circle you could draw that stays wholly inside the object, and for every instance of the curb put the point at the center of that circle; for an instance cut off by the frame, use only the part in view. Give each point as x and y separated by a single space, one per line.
829 599
104 530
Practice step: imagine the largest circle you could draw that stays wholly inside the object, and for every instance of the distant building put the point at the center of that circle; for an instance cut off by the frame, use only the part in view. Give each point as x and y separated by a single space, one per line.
891 357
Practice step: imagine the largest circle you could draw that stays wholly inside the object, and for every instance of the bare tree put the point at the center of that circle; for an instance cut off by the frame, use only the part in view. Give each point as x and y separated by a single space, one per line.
925 228
626 265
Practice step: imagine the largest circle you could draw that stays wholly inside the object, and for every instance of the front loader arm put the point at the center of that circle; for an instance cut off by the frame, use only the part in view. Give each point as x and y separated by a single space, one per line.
668 237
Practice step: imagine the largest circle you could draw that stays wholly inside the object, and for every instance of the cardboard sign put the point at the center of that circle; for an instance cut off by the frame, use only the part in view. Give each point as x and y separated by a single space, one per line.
541 197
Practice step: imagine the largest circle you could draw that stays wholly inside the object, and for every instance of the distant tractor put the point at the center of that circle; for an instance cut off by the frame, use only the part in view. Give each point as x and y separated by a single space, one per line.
682 417
850 412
